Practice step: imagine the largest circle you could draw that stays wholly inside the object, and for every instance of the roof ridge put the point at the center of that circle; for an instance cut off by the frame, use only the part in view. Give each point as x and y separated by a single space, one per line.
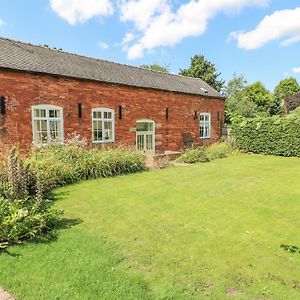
98 59
186 87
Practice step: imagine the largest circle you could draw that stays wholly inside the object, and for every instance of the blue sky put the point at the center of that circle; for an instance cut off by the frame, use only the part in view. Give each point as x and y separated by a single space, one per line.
257 38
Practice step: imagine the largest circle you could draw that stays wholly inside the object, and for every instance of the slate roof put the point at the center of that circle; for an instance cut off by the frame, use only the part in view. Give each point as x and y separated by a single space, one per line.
21 56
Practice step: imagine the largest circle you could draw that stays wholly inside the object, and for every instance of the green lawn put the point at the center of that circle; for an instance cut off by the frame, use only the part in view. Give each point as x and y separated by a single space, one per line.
210 230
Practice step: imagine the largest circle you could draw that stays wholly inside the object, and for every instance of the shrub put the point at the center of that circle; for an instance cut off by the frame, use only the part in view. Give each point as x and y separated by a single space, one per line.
205 154
24 214
60 165
194 155
219 150
25 219
273 135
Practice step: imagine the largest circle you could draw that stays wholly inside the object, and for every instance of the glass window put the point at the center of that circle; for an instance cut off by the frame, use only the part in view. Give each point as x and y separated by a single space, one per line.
144 126
205 125
103 125
47 124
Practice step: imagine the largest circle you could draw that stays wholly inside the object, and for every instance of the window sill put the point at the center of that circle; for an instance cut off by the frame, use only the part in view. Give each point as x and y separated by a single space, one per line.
205 138
104 142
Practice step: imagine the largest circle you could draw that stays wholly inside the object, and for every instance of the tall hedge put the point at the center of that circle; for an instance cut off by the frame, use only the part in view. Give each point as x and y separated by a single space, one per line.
272 135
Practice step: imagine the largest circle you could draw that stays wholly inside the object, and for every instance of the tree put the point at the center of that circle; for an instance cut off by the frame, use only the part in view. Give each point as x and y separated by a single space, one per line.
258 94
204 69
235 85
156 67
246 100
238 105
286 87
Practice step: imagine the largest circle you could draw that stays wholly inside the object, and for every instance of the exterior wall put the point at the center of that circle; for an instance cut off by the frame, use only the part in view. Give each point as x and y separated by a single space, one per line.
23 90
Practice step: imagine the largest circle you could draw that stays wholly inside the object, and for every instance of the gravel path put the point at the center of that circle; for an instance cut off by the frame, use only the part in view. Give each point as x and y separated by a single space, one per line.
5 296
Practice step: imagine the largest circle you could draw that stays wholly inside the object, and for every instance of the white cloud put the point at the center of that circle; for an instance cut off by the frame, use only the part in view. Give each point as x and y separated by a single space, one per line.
296 70
2 23
75 11
103 45
281 24
140 12
160 26
127 38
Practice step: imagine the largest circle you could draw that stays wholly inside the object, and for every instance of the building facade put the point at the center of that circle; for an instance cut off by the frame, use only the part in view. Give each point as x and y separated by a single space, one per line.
47 95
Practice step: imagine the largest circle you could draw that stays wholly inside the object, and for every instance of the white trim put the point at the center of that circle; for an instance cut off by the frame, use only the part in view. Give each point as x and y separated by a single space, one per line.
204 123
47 108
112 120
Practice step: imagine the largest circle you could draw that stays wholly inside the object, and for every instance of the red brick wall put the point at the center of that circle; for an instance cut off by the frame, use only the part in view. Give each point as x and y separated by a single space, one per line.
22 90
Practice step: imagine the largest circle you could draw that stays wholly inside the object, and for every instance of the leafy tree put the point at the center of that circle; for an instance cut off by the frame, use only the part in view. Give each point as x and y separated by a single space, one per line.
204 69
286 87
238 105
156 67
246 100
258 94
235 85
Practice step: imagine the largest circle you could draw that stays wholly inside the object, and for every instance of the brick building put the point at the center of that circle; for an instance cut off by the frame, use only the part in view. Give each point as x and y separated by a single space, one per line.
47 95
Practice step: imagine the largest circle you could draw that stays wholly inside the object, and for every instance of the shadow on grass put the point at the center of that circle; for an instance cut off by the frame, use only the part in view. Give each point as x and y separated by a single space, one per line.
46 238
52 235
290 248
57 196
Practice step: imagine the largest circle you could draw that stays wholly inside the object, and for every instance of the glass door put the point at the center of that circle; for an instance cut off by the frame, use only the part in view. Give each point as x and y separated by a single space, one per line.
145 136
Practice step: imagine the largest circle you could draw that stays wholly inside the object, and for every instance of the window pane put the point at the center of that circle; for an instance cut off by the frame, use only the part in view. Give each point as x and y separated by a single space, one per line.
201 131
144 126
97 134
108 135
37 125
97 114
43 125
108 125
54 113
44 137
39 113
107 115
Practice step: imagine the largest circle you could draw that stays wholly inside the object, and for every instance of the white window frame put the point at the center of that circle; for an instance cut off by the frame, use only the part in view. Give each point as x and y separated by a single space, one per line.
204 123
47 108
112 120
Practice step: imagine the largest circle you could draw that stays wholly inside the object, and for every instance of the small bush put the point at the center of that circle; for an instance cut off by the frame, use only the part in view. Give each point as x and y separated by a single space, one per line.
194 155
219 150
25 219
206 154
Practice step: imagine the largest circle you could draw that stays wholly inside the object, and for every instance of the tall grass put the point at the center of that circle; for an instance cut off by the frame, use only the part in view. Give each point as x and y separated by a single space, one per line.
60 165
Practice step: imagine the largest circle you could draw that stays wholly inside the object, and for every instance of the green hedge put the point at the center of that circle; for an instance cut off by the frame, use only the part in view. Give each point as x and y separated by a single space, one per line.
272 135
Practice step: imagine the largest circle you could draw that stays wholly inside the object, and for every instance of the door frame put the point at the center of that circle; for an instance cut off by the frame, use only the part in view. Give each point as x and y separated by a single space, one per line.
144 133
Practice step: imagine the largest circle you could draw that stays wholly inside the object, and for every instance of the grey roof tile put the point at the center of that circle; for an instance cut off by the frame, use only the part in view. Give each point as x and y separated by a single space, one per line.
21 56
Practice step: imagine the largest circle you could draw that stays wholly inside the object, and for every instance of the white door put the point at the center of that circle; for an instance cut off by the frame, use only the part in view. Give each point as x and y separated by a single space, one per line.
145 136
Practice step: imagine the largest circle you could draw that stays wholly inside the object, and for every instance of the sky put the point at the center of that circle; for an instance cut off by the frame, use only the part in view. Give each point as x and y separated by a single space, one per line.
257 38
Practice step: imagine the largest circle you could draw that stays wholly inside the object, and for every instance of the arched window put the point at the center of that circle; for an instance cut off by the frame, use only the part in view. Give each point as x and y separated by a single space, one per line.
47 124
103 125
205 125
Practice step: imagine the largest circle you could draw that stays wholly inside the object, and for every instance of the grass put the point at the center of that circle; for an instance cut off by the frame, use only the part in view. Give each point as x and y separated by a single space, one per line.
211 230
